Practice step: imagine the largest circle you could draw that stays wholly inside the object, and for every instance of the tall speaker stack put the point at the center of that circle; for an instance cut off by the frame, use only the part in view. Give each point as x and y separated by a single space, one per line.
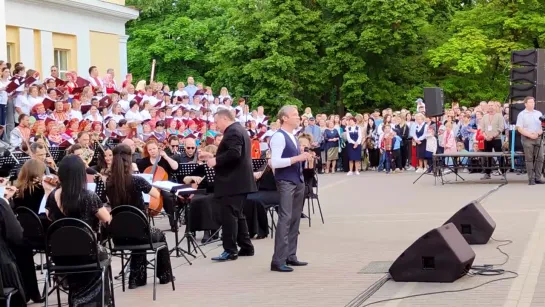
528 78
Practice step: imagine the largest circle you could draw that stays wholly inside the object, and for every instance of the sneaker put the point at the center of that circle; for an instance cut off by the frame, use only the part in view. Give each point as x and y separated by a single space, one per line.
349 173
357 173
410 168
419 170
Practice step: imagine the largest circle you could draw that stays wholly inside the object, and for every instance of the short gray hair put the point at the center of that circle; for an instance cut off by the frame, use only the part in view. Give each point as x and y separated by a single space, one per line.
225 113
284 112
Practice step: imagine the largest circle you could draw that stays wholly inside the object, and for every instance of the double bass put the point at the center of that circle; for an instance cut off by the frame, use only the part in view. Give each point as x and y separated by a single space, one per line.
158 174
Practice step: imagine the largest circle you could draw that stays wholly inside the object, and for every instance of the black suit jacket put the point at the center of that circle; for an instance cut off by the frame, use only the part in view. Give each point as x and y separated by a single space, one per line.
234 172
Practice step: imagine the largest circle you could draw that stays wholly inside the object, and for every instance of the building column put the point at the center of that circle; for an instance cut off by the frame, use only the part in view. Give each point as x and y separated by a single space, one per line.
26 47
122 58
3 39
46 41
84 52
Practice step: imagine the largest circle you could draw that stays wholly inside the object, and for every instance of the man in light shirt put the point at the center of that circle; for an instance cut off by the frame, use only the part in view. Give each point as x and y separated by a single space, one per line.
287 162
529 126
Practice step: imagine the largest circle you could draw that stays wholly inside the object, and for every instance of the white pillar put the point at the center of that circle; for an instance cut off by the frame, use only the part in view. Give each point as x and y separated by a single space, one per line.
26 47
84 52
122 58
3 39
46 39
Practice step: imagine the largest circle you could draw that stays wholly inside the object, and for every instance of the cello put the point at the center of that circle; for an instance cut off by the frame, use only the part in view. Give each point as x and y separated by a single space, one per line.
158 174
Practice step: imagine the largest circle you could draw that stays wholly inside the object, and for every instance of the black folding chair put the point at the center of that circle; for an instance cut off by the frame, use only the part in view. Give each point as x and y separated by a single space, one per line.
33 231
6 294
72 248
130 231
311 192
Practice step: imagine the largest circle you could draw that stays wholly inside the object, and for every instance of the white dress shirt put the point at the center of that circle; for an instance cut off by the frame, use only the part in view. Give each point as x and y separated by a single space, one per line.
278 143
131 116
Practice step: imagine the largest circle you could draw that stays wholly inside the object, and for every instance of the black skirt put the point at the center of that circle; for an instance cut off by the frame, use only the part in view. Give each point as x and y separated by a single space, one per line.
421 150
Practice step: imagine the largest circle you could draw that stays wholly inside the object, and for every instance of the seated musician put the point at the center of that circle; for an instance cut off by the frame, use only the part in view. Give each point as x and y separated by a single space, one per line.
153 154
123 188
189 155
104 162
38 151
84 139
255 208
205 214
136 155
173 149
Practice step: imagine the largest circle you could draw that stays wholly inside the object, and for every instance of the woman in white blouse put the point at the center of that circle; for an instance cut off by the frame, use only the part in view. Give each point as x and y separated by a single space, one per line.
93 115
145 110
354 136
116 112
133 115
418 133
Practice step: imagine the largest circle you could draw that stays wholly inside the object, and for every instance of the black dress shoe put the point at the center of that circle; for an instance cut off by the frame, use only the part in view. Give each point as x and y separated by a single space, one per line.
281 268
38 300
540 182
225 256
296 263
531 182
246 252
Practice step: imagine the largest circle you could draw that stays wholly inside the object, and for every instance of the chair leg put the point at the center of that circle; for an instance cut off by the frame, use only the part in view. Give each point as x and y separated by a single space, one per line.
111 285
320 209
102 288
47 284
155 276
171 278
123 271
41 264
308 209
59 293
8 301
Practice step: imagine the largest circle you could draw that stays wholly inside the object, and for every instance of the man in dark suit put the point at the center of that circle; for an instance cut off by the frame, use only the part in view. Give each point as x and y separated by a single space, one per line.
234 181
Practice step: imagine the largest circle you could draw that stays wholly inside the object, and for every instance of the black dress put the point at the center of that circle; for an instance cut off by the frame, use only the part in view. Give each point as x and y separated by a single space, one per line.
84 289
205 212
138 271
11 235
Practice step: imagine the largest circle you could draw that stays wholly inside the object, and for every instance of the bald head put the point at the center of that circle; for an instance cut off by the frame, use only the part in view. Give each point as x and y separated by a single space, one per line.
130 143
190 147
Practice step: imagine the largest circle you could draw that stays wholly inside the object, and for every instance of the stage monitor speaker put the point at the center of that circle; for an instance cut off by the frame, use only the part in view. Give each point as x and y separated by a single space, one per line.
526 74
514 110
533 57
474 223
441 255
433 99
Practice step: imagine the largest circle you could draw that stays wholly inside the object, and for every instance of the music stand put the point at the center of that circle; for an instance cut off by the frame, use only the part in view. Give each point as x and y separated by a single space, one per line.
21 155
100 189
57 153
258 164
184 169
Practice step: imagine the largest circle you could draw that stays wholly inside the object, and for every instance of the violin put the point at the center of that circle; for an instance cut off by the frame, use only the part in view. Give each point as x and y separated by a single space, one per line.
159 174
51 179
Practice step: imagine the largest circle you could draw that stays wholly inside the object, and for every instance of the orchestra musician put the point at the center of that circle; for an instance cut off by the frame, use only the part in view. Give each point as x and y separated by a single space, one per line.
153 154
205 213
38 151
233 181
84 139
190 153
124 188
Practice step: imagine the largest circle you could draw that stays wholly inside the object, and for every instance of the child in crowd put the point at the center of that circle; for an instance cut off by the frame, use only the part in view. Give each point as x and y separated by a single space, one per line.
396 153
386 147
431 147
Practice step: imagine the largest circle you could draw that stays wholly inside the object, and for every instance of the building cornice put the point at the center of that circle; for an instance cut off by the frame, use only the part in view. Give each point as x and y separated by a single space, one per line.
89 6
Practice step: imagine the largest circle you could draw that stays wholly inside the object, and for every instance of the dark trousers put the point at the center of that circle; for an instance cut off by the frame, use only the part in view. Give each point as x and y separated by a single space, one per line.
488 147
405 152
396 158
169 206
318 153
289 217
235 229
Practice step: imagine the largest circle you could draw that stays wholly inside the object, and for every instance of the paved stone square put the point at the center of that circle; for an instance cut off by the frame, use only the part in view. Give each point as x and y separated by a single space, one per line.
371 217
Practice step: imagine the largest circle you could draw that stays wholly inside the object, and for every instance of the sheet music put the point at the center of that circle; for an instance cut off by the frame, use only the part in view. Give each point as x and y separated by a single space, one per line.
165 185
91 186
148 178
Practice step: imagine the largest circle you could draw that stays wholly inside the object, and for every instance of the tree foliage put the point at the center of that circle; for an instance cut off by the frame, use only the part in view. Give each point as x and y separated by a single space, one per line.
336 55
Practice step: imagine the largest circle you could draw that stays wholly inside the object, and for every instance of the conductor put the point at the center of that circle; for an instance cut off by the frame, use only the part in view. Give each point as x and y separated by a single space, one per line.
287 161
234 181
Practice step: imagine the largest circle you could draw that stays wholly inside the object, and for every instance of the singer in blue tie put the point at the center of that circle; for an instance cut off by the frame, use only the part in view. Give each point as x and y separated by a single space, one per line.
287 162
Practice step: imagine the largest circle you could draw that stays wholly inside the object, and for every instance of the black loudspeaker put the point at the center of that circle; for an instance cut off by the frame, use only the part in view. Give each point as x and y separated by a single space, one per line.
433 99
474 223
441 255
533 57
514 110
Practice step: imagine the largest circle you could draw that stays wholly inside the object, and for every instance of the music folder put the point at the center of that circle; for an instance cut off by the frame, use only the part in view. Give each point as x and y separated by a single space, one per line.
174 187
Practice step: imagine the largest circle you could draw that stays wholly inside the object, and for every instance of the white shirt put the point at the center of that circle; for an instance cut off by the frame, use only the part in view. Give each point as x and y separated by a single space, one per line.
529 120
145 114
94 83
278 143
3 94
22 102
125 105
181 93
133 116
76 114
352 129
96 118
34 101
213 108
116 117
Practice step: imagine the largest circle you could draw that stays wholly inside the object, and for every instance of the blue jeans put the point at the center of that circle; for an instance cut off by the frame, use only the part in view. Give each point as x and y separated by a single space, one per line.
2 114
381 161
388 160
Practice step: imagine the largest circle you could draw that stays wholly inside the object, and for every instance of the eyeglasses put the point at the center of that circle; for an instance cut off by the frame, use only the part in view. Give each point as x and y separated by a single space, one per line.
190 147
176 146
